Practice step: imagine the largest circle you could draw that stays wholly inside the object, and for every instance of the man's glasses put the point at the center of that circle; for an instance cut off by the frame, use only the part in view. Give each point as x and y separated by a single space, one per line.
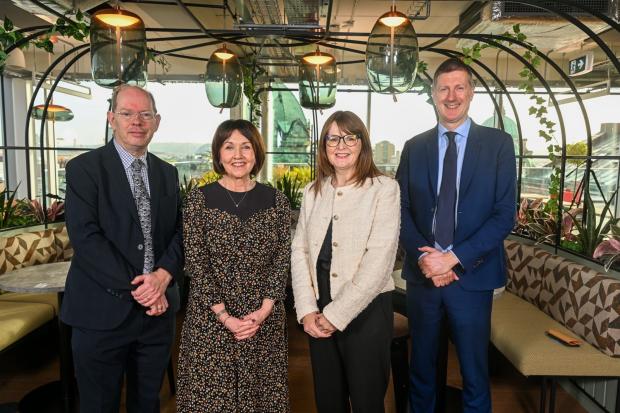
334 140
145 115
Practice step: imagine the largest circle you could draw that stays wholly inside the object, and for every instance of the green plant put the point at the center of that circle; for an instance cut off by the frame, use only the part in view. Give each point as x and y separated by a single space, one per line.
251 72
591 230
291 188
14 212
64 26
53 213
608 251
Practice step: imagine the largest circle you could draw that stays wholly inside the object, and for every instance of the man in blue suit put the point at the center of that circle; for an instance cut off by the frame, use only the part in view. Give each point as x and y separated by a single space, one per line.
458 204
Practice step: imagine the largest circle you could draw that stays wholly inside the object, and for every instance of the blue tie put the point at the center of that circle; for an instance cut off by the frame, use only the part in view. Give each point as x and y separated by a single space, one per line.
444 217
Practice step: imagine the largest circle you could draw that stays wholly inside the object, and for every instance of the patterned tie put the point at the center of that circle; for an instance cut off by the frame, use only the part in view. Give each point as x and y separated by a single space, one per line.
143 204
444 217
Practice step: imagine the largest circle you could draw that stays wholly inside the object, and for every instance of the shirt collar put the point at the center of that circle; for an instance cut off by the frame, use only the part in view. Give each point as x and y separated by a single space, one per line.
462 130
126 157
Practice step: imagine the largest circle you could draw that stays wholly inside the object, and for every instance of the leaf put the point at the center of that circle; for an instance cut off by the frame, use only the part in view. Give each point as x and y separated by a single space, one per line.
607 247
8 24
79 16
532 110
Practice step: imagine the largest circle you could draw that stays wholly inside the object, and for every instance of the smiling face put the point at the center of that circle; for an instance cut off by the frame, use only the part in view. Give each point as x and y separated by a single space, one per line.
133 134
342 157
452 94
237 156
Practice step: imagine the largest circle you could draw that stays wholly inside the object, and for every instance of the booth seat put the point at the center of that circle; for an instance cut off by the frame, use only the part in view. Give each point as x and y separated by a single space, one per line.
545 291
23 313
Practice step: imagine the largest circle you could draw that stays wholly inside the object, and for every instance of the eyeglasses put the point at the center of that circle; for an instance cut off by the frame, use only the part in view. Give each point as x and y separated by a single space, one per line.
334 140
145 115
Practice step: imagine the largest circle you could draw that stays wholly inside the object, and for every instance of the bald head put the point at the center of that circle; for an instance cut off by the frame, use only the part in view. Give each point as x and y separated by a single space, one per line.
120 89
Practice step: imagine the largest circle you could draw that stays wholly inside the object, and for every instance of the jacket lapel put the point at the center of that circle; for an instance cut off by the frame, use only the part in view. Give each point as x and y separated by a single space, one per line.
472 150
432 155
116 172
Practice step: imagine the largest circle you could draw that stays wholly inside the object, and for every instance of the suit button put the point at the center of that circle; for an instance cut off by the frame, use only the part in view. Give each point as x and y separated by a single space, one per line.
339 193
335 244
334 275
336 217
140 247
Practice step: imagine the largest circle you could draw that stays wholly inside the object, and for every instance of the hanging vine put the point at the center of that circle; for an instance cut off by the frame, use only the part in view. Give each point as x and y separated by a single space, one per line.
538 108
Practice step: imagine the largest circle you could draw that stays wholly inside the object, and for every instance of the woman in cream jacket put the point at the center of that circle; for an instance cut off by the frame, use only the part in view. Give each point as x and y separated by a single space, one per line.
342 259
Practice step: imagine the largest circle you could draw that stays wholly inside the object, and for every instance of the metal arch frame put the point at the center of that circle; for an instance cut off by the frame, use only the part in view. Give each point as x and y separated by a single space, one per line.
330 37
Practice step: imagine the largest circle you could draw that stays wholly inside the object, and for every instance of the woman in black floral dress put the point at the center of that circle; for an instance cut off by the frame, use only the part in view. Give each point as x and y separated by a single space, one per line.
237 246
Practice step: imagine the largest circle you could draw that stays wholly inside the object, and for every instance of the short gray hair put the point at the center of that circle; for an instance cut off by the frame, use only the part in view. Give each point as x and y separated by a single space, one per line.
118 89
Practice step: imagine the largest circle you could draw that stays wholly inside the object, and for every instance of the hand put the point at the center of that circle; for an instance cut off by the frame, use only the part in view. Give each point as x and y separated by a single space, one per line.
159 307
436 262
242 329
444 279
151 286
324 324
260 315
311 327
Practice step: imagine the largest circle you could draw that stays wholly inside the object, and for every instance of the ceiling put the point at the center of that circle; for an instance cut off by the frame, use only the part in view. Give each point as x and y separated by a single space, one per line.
270 24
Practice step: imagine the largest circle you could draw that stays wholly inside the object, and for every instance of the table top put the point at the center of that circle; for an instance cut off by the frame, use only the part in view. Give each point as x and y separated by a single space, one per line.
44 278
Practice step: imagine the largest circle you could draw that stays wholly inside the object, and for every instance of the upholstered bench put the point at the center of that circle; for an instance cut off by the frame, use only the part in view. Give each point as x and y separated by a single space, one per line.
545 291
21 314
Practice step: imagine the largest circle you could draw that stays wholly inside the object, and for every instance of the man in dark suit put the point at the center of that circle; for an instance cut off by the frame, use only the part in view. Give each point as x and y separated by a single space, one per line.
458 204
123 214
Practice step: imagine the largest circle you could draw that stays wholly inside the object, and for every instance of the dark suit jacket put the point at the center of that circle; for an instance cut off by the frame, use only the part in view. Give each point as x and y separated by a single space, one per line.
104 229
486 205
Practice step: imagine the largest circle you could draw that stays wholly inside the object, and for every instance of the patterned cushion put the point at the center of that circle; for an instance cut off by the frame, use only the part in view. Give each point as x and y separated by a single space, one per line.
26 249
588 303
582 299
63 245
525 264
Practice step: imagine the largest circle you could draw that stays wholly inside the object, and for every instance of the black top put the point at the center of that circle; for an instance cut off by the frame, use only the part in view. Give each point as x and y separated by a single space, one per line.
323 264
241 204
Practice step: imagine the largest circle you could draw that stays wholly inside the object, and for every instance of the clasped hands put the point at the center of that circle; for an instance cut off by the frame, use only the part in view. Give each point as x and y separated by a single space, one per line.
247 326
438 265
151 291
317 326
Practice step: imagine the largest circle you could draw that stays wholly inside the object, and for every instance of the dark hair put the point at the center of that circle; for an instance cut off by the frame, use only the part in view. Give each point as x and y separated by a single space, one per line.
365 167
118 89
247 129
452 65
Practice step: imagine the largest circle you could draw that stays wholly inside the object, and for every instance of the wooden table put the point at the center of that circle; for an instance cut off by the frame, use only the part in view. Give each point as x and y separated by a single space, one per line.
57 396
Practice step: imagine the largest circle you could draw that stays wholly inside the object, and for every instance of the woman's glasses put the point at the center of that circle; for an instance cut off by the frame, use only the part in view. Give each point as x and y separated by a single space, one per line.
334 140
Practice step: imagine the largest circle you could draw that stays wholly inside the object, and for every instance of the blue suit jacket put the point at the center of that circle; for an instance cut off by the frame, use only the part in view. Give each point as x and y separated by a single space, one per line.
486 208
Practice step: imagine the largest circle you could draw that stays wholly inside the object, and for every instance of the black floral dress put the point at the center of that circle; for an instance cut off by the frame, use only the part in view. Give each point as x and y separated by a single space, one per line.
237 251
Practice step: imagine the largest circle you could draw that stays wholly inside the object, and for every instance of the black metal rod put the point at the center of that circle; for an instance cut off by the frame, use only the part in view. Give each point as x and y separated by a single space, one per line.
172 3
33 98
43 122
51 10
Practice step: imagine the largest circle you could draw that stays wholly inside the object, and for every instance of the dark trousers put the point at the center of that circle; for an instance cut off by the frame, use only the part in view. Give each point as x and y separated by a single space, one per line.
139 347
469 319
354 364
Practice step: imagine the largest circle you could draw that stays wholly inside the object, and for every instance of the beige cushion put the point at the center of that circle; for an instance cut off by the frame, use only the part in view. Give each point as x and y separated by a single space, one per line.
50 299
19 319
518 331
29 248
64 250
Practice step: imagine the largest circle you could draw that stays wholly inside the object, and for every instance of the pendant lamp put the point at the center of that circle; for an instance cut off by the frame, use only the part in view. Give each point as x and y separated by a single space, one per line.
56 113
317 80
392 54
118 53
223 79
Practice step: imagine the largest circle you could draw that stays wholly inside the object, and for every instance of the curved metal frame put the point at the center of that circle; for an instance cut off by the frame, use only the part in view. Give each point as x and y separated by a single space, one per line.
235 37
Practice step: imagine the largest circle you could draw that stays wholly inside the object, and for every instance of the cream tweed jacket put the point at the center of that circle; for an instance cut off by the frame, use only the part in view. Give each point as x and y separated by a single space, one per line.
365 230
